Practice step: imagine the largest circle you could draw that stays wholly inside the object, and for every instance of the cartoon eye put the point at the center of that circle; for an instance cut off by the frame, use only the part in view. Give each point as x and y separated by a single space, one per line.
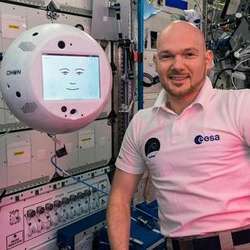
79 71
64 71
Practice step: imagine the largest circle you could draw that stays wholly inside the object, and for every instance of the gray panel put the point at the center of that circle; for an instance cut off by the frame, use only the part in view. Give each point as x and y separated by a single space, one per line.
29 107
31 2
75 10
3 168
49 245
27 46
104 23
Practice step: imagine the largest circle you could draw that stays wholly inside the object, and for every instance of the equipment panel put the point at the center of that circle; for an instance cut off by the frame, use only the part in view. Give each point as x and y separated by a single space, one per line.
32 217
25 156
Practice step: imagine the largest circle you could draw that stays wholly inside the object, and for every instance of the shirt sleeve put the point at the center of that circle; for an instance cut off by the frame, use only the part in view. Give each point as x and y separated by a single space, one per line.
244 116
130 159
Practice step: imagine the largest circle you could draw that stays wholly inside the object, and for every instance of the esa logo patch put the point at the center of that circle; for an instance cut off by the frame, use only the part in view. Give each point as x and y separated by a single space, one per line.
152 147
199 139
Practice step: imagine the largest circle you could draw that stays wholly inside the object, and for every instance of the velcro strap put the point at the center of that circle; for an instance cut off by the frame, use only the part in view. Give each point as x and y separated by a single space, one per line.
186 245
242 247
226 241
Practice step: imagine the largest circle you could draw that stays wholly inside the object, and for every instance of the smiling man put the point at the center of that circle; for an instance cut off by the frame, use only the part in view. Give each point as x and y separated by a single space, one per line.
182 63
195 143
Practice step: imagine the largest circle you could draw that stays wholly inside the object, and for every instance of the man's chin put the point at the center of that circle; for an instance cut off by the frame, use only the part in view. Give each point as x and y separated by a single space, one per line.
179 92
179 82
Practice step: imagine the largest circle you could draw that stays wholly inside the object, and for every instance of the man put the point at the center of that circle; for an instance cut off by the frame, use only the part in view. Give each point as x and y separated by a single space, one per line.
195 142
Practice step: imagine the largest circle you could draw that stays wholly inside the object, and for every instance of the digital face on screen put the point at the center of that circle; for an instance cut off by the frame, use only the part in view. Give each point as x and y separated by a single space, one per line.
67 77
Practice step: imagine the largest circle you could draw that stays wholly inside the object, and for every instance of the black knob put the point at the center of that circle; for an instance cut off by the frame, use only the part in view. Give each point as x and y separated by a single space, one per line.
48 206
64 108
72 197
40 210
80 195
31 213
65 200
87 192
57 203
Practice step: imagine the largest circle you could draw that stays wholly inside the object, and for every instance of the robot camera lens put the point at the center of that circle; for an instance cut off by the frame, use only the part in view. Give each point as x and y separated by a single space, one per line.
61 44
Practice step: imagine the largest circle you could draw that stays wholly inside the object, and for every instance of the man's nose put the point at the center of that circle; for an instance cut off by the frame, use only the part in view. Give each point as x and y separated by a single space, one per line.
178 62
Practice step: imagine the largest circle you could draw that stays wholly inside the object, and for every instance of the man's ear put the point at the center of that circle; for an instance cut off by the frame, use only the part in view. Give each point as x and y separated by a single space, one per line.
209 60
155 58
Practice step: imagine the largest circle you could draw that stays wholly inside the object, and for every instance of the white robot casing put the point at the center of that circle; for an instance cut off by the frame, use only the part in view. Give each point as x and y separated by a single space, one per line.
22 78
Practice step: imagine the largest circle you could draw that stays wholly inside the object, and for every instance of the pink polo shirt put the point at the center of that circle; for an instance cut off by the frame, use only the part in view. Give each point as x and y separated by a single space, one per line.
199 160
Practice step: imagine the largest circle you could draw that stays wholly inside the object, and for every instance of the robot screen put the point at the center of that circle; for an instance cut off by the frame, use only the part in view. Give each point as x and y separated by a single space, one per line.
67 77
55 78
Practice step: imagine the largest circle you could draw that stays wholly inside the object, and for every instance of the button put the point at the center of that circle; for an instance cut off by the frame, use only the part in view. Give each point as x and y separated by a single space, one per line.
64 108
72 111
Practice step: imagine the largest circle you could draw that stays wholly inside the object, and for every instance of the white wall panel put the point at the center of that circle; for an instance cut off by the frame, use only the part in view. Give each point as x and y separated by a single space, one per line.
42 150
18 150
103 141
86 153
70 160
3 168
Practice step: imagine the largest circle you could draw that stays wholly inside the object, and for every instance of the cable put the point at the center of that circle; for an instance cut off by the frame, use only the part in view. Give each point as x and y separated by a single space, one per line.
197 4
219 74
231 69
5 133
237 65
52 159
138 220
146 213
233 83
73 177
152 80
2 194
235 69
77 179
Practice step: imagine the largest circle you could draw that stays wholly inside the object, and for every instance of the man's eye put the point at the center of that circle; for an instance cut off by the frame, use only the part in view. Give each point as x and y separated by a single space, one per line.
189 55
165 56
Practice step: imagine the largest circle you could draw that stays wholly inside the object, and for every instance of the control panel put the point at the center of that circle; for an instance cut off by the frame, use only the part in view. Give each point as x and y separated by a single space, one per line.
33 217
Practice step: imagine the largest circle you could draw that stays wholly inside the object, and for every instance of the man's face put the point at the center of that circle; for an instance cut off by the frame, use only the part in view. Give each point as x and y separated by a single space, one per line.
182 61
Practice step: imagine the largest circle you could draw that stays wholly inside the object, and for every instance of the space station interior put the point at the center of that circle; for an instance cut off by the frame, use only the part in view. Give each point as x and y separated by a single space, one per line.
72 75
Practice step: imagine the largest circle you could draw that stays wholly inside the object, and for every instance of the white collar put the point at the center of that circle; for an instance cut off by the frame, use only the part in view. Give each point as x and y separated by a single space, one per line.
203 97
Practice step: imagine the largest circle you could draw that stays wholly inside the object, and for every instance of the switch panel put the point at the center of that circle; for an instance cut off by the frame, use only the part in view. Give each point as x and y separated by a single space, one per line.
36 215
